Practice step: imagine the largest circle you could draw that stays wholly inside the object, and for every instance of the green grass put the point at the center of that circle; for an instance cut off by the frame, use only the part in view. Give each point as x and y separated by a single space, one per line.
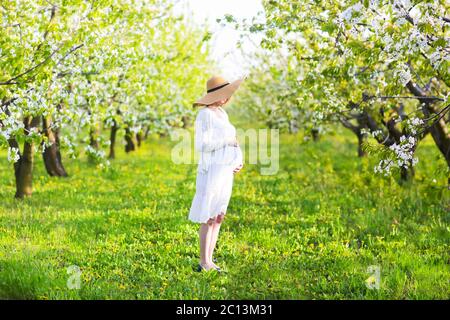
309 232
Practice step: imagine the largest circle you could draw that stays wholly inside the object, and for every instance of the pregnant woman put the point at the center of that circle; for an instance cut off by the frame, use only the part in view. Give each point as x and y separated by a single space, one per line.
220 157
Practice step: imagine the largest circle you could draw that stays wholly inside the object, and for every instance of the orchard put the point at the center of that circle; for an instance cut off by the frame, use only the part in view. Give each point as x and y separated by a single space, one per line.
94 96
73 70
381 69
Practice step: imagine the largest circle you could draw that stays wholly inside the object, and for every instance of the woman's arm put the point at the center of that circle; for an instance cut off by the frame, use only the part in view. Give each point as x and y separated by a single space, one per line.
204 141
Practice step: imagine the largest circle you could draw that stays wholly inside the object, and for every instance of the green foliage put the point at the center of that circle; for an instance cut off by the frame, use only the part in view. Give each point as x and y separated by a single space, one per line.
347 60
88 67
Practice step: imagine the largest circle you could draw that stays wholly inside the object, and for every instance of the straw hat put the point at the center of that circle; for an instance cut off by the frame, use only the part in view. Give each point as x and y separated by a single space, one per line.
217 88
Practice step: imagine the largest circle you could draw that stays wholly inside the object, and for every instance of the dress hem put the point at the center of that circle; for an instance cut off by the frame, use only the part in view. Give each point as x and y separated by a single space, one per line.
201 221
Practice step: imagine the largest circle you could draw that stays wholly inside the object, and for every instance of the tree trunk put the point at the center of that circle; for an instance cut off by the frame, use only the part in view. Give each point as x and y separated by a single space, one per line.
163 134
357 130
147 132
139 138
315 134
440 133
58 152
361 152
23 169
112 140
130 145
93 134
186 122
407 174
24 176
438 130
52 154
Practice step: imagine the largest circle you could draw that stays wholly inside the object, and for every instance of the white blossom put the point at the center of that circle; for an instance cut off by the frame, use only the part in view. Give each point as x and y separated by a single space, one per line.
403 74
13 155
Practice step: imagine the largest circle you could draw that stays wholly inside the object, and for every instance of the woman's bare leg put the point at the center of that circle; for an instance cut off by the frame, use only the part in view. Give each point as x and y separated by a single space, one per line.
205 233
214 235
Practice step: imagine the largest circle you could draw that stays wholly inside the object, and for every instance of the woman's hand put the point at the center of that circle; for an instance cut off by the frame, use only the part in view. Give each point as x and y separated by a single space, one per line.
233 142
236 170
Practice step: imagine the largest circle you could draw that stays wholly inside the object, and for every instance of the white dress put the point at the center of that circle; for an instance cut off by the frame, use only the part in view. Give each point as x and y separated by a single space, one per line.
217 160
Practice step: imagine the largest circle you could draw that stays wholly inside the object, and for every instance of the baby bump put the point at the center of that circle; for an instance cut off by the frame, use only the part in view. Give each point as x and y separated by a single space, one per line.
228 156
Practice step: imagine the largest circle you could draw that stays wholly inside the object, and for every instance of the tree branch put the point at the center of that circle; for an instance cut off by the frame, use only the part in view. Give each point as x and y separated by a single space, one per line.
13 79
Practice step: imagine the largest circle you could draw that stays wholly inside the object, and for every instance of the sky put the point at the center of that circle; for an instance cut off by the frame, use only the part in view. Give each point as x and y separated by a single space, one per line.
228 57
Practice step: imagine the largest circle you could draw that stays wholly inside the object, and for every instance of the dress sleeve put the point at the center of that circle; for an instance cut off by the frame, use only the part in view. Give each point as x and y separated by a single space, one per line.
204 141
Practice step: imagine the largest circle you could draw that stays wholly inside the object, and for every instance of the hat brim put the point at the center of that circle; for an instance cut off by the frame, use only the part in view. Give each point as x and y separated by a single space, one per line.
221 94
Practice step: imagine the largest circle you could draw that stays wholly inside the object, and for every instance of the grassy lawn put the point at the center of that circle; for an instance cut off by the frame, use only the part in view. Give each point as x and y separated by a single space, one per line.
309 232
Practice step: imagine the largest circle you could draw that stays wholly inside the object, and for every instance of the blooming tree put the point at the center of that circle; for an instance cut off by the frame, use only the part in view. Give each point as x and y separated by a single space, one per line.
381 68
72 68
